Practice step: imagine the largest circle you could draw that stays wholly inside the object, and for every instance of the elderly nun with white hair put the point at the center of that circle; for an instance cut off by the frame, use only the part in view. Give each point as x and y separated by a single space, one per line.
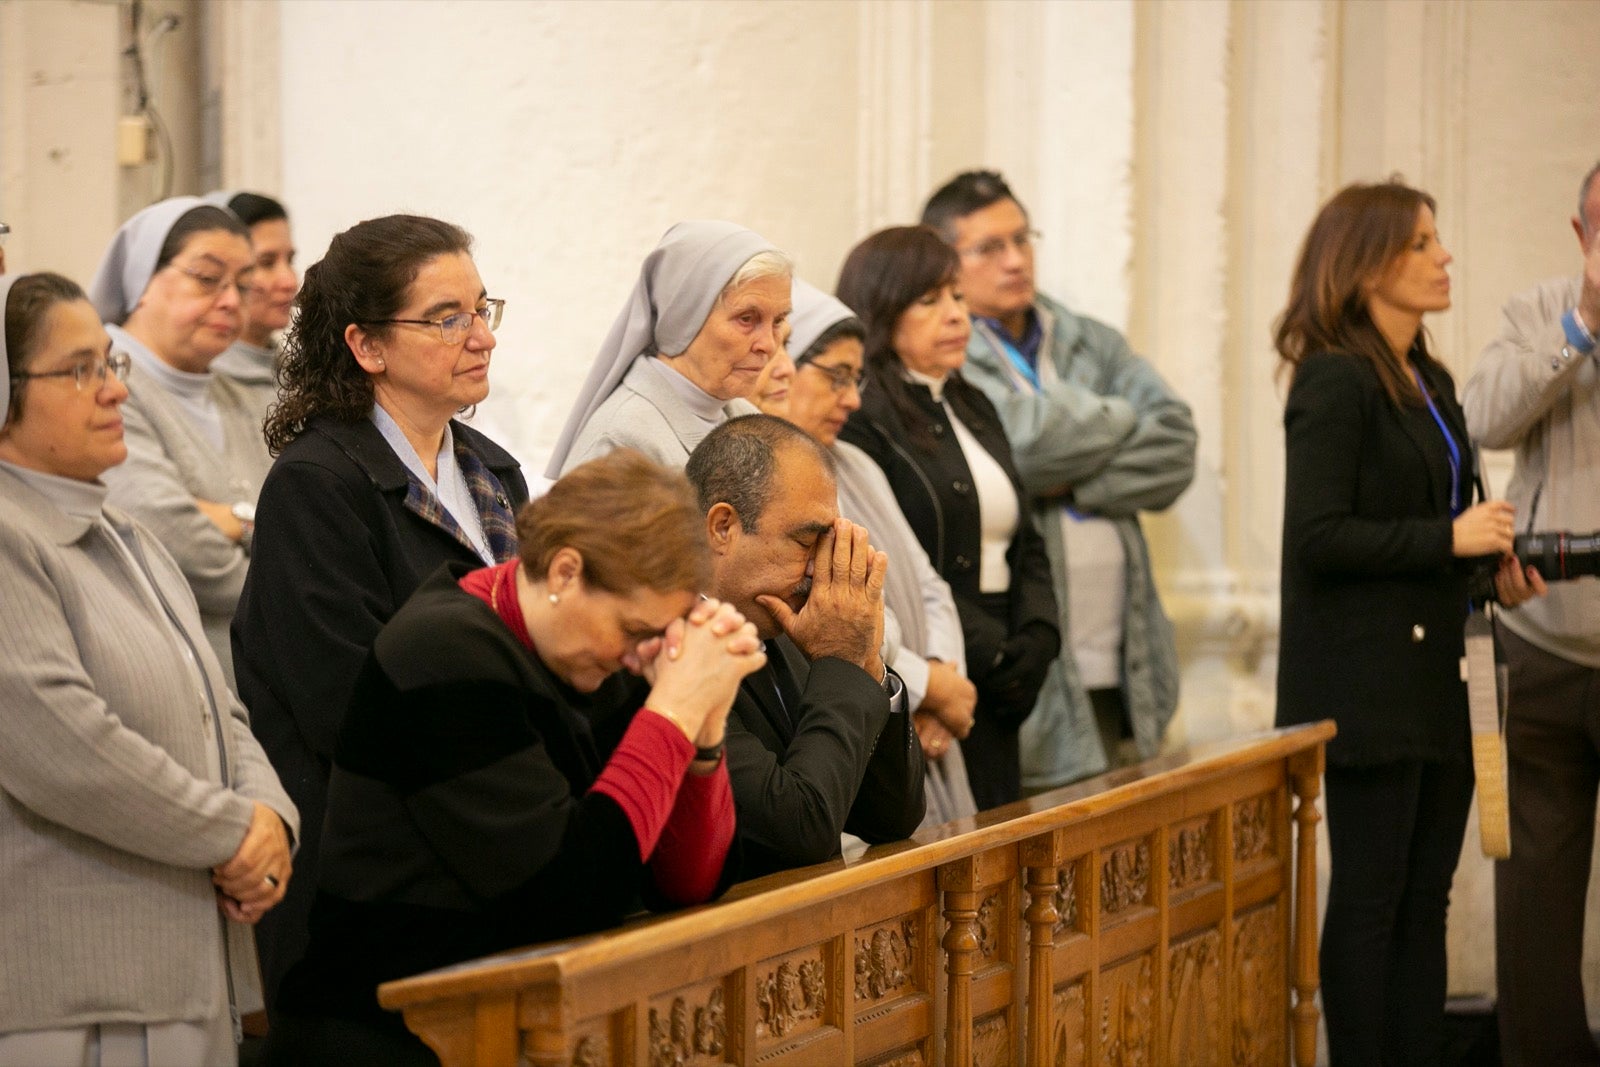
170 290
142 829
706 316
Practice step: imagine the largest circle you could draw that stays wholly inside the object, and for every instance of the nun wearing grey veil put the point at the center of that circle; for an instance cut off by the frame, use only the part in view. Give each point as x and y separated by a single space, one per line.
142 830
704 318
170 290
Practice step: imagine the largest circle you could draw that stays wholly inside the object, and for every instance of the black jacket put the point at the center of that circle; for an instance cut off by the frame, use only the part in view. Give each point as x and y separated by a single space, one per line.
1373 600
1012 639
845 762
938 498
336 552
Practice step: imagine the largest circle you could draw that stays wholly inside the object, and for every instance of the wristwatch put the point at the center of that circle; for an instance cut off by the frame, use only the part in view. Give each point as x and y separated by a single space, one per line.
245 512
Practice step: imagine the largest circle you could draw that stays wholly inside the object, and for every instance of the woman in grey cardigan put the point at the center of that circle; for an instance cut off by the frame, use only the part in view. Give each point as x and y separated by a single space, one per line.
170 290
706 316
142 830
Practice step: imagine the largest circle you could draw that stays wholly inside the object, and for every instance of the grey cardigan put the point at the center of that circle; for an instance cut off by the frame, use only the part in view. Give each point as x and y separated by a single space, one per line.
170 464
110 814
644 413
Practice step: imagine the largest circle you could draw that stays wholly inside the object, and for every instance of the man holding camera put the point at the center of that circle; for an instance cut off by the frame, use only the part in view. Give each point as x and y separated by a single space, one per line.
1537 389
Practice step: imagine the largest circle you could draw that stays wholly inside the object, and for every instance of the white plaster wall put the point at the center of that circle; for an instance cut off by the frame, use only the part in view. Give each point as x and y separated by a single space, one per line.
567 138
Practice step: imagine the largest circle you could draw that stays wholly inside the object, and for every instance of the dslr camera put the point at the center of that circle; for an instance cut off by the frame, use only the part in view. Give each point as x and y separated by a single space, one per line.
1557 555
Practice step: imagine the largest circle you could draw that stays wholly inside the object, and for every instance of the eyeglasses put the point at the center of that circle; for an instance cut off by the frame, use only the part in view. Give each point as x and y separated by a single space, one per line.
995 247
211 284
841 376
454 329
116 364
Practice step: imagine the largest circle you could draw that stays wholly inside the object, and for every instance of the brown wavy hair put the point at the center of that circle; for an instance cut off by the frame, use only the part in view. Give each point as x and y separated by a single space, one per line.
634 522
363 278
1355 237
882 277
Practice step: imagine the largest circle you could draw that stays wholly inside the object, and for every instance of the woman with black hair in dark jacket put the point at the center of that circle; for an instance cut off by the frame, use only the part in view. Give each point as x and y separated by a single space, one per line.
940 442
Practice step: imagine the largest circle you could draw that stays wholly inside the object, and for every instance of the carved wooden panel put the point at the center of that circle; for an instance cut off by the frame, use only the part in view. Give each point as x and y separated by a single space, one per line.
1253 829
688 1026
1125 876
593 1050
1067 899
1191 854
990 915
1259 987
991 1041
792 994
1127 1013
887 959
1069 1024
1194 990
906 1057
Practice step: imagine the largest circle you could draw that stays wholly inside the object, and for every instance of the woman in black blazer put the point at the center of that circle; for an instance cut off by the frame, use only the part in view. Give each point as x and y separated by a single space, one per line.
940 442
1378 534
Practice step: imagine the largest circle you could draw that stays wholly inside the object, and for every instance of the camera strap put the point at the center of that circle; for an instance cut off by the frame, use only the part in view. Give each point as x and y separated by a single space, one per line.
1486 689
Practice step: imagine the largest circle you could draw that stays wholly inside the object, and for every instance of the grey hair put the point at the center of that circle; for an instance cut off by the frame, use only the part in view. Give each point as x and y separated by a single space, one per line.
737 464
1589 225
768 264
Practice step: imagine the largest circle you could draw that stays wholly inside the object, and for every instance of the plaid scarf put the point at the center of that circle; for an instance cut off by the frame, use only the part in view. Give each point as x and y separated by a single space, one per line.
494 506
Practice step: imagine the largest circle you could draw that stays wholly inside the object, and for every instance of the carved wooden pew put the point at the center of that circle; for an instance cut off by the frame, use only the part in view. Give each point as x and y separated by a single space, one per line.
1143 917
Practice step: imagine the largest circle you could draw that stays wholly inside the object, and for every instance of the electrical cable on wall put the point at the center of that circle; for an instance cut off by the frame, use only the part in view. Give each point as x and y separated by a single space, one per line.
145 104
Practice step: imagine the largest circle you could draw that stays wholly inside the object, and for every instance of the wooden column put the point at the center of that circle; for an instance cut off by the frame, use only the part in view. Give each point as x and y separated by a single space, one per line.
1305 774
1041 857
959 884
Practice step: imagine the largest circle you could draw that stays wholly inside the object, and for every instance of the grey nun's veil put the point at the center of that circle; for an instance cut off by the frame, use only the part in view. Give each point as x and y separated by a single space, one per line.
814 312
6 281
130 262
678 284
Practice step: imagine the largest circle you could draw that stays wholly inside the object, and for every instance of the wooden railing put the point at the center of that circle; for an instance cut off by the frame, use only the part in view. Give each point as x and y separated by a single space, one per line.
1143 917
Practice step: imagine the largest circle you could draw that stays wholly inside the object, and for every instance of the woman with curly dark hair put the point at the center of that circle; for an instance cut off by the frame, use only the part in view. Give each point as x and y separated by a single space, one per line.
375 486
941 444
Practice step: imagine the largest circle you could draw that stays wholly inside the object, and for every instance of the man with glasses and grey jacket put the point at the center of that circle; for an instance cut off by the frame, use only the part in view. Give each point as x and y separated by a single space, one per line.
1536 389
1098 437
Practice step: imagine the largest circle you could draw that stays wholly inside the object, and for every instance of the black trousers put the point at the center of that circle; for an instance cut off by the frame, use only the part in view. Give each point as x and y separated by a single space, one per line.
1395 832
1553 757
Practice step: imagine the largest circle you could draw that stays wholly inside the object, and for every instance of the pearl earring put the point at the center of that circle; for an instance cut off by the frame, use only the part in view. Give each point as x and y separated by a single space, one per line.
380 363
554 599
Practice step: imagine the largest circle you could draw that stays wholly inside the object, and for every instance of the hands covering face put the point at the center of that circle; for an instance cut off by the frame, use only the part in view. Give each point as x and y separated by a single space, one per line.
843 616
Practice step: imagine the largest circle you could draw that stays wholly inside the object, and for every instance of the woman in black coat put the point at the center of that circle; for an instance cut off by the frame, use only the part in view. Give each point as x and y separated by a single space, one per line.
1378 535
375 486
940 442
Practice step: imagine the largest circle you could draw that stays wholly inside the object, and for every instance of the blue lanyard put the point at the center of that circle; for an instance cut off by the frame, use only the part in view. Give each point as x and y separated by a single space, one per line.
1018 361
1450 443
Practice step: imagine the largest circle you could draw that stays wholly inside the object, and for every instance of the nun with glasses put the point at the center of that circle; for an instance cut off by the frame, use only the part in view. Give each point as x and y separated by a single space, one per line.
707 315
142 830
922 630
171 290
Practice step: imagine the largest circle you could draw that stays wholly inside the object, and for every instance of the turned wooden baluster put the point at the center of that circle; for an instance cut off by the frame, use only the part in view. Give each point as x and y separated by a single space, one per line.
961 895
1305 773
1042 917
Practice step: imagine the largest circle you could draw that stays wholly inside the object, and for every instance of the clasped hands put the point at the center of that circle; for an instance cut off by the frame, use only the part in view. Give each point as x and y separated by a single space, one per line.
251 882
695 667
